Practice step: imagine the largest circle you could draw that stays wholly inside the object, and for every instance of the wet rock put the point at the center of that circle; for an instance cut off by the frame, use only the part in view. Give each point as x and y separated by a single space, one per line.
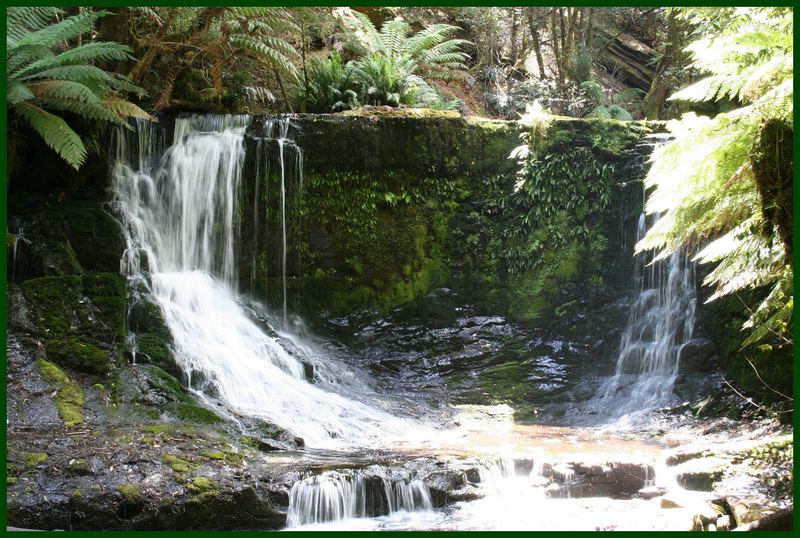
724 523
781 520
700 474
60 236
613 479
706 516
748 509
698 356
652 492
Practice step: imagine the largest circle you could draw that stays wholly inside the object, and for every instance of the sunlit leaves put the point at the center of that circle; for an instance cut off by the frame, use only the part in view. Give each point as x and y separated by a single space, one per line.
702 182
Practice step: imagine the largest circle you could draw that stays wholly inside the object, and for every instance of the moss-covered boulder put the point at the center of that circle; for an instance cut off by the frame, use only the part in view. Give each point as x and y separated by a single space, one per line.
152 337
80 319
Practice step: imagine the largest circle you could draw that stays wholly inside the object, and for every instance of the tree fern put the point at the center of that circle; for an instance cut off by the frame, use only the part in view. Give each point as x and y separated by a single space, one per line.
392 53
42 74
703 182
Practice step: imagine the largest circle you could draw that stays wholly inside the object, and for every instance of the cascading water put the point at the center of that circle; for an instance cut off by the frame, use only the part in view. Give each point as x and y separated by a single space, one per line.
276 142
179 207
660 324
336 496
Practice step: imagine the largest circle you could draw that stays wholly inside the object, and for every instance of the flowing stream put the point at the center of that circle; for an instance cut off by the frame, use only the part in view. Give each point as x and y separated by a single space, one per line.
179 195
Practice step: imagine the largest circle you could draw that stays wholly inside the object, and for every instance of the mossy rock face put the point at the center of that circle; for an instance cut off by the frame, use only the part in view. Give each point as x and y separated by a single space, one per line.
81 355
397 204
193 414
69 396
154 349
722 320
149 385
80 318
438 143
64 235
146 317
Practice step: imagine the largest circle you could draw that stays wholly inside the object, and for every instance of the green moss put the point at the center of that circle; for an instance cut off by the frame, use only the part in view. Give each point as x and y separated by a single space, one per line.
69 398
80 354
214 455
249 441
200 484
404 112
34 459
178 464
108 295
53 299
168 384
79 467
194 413
131 493
159 429
11 480
157 350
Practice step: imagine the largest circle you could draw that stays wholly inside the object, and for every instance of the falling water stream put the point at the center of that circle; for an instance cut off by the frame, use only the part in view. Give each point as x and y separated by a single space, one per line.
179 209
660 325
178 201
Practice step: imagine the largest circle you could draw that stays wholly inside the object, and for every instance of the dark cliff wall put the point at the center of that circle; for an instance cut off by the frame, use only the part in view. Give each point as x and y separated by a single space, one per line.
393 207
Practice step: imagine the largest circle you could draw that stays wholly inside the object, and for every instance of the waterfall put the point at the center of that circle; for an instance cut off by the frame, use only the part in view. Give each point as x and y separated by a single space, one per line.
290 167
660 324
179 209
338 495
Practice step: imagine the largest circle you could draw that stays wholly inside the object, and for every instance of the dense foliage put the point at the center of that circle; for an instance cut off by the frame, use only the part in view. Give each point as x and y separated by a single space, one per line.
45 78
711 187
390 66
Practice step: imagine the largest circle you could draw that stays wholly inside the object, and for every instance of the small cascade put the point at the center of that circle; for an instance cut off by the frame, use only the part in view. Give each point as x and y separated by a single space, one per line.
275 147
16 239
340 495
494 472
179 208
660 324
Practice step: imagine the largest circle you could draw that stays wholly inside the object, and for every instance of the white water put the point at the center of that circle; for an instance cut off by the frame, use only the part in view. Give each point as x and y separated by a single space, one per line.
341 495
178 205
660 324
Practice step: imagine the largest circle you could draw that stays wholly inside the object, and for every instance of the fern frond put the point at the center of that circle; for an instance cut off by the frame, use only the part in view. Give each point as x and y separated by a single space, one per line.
17 91
264 53
87 110
55 132
126 109
64 89
88 53
392 36
21 20
69 28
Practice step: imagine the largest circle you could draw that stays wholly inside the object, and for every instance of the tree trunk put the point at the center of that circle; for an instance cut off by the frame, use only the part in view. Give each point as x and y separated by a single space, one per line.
283 90
555 45
537 44
772 161
513 37
656 97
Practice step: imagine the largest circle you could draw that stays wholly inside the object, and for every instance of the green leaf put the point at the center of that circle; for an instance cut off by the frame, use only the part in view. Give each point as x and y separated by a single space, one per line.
55 132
